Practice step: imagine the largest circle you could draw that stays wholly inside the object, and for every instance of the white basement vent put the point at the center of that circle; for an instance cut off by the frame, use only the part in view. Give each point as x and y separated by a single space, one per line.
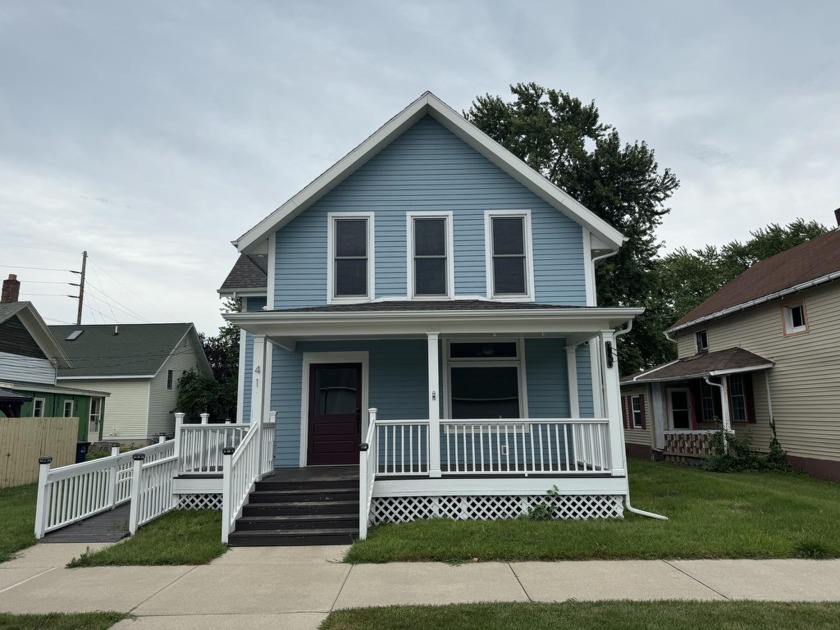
74 335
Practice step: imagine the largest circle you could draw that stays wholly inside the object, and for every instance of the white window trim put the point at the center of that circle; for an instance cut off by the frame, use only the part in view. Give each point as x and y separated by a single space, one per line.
450 253
697 341
518 362
633 399
371 286
787 319
95 416
329 357
43 407
489 215
72 408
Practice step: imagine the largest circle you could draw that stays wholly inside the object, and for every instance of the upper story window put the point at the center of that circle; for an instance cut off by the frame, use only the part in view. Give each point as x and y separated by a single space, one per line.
350 266
510 267
701 339
794 318
170 379
430 264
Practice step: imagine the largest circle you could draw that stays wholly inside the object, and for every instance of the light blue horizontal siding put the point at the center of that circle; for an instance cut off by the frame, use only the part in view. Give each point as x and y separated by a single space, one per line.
249 305
285 400
428 168
584 368
548 388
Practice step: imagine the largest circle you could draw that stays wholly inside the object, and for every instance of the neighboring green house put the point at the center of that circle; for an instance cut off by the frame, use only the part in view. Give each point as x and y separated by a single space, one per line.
30 358
139 364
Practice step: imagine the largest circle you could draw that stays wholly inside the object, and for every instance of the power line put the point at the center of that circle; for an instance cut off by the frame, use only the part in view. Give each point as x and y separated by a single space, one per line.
127 288
103 302
128 311
37 268
46 249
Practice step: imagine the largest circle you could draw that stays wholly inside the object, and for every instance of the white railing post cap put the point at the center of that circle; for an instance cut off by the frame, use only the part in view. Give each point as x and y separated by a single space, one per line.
228 450
44 460
138 456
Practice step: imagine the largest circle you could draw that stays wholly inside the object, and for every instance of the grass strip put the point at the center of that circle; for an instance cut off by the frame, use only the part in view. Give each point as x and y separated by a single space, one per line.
616 615
61 621
17 519
176 538
711 515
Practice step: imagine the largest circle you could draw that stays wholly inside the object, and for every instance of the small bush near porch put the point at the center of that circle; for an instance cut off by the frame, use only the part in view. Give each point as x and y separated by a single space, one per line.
17 519
711 515
572 614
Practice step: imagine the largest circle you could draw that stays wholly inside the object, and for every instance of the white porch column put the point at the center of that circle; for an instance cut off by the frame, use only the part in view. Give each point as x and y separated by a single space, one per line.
596 349
258 380
571 369
434 404
612 402
724 404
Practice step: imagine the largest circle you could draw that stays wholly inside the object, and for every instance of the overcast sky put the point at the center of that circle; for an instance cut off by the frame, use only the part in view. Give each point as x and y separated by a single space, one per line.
151 134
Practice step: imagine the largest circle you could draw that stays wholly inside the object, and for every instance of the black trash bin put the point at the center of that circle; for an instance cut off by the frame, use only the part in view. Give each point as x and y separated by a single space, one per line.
81 451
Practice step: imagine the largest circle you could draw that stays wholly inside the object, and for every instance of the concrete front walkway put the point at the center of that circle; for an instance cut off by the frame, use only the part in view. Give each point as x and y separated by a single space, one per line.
296 587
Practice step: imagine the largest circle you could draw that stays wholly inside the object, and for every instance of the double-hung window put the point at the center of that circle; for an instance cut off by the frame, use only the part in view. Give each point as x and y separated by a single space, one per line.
68 408
351 264
794 318
430 264
38 408
510 270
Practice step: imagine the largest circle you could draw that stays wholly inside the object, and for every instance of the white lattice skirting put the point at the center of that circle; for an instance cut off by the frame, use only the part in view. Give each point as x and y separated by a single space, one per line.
486 508
200 502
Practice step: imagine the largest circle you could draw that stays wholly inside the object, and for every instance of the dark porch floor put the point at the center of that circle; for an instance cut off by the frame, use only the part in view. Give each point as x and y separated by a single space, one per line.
314 473
109 526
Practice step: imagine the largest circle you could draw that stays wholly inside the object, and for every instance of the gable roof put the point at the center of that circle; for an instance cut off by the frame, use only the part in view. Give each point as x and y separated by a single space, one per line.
245 277
37 329
124 350
606 236
728 361
812 263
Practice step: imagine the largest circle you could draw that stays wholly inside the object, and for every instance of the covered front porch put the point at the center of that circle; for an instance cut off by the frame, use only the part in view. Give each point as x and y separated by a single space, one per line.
464 409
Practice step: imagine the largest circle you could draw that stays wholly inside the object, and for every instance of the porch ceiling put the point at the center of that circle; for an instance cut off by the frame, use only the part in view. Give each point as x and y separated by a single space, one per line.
382 320
719 363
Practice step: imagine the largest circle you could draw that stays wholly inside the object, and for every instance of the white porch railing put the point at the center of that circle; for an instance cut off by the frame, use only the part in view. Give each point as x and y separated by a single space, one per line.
201 445
151 491
76 492
367 472
243 467
492 447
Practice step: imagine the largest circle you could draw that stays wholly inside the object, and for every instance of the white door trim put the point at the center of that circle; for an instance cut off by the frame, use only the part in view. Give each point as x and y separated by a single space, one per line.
328 357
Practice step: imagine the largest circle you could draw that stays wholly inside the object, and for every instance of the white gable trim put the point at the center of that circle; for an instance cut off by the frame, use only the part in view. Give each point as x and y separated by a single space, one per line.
429 104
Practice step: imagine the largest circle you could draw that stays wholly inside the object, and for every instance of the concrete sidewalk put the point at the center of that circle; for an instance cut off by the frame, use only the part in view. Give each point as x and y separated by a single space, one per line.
296 587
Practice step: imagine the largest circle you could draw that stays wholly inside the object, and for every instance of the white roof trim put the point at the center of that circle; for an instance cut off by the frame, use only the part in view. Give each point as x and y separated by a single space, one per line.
766 298
429 104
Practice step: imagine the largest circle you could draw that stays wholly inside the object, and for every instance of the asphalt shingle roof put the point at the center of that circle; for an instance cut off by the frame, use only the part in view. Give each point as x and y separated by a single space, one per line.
244 275
701 365
814 259
134 350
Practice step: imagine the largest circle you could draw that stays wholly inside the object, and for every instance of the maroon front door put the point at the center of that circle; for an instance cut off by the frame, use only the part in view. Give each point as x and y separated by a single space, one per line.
335 413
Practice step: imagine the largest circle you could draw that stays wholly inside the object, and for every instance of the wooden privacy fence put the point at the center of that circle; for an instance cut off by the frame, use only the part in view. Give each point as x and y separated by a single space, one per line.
24 440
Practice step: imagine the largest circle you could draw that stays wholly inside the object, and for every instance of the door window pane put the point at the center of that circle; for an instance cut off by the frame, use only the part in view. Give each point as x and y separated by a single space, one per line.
485 392
336 390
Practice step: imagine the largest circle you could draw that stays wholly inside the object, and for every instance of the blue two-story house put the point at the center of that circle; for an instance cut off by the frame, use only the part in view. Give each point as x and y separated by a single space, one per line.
430 300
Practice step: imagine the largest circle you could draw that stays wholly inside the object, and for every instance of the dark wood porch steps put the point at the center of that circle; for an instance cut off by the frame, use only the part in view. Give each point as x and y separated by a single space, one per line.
289 508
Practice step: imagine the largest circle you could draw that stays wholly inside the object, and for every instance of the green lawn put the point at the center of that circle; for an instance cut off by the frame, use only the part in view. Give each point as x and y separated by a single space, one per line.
17 519
57 621
711 515
178 537
575 615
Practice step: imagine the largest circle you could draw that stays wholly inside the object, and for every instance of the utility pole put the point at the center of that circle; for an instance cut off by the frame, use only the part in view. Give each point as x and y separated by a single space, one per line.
81 289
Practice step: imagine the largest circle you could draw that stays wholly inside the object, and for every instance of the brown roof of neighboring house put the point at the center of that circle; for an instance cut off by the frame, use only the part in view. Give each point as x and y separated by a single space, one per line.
815 260
706 364
244 275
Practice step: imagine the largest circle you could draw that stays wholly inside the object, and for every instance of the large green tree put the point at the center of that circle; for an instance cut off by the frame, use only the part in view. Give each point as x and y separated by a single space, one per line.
692 276
565 140
214 393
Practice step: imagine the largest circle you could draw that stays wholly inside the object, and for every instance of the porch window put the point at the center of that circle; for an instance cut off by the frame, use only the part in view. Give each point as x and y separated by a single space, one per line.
485 380
430 252
737 398
680 404
38 408
638 422
708 408
350 274
510 267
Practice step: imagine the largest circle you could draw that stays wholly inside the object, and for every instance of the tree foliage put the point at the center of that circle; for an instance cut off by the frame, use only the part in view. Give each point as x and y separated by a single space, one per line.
214 393
565 140
692 276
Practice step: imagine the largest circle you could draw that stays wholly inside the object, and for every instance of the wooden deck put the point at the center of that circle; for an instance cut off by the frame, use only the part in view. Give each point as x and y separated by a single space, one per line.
314 473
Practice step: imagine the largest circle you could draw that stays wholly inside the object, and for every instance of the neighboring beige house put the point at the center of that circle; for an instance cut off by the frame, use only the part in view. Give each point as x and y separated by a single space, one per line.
762 348
139 364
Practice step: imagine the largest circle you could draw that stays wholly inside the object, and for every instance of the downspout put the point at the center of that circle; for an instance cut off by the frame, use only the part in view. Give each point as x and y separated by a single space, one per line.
627 504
